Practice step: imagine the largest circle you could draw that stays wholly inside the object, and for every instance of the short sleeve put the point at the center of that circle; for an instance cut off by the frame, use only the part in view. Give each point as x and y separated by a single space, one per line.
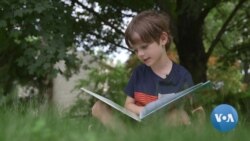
188 80
130 88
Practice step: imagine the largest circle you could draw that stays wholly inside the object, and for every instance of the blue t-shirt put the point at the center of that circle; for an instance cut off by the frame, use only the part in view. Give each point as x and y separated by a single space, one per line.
144 85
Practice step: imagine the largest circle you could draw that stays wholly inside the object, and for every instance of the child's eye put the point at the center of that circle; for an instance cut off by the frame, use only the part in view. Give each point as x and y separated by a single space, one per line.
144 47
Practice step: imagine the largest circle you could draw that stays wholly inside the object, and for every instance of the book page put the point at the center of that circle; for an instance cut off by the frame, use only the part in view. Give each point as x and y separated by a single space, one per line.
166 99
152 107
113 104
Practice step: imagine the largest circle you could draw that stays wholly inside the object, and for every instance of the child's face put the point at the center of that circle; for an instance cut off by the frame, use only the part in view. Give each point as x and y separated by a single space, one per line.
148 53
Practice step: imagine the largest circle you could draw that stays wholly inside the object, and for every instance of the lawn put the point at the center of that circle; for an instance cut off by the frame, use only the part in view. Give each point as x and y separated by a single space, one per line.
48 125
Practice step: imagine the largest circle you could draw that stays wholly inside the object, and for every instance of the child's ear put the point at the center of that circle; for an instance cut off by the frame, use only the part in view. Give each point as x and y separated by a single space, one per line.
164 38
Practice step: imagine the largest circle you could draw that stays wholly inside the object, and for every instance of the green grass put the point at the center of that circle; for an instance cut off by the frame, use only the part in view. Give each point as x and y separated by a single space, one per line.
35 125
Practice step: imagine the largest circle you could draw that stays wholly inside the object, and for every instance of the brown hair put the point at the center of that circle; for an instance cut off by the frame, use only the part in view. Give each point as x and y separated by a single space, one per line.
149 25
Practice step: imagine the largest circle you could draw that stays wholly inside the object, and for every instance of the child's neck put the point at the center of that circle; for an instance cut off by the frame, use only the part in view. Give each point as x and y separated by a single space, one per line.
163 67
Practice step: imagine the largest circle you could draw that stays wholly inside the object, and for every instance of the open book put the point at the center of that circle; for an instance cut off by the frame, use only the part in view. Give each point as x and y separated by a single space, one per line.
152 107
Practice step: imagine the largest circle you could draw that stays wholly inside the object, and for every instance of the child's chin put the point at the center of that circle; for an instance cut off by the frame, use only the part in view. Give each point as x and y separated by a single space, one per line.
148 64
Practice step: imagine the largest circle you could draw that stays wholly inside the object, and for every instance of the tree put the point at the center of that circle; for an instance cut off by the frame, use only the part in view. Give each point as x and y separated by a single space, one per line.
34 36
188 26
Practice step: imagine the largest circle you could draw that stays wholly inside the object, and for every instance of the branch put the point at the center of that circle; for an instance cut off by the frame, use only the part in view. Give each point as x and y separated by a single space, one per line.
223 28
103 19
108 41
128 15
208 8
223 45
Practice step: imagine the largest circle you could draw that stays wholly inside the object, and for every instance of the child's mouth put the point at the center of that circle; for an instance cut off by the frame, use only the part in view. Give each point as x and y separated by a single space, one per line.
145 60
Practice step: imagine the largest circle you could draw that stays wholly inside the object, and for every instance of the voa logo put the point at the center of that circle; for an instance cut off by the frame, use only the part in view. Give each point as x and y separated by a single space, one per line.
224 117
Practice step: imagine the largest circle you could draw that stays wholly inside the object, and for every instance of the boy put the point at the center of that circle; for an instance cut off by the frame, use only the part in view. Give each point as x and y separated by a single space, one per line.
148 35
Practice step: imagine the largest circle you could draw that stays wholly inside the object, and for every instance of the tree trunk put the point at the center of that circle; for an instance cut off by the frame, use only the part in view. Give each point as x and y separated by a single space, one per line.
45 91
190 46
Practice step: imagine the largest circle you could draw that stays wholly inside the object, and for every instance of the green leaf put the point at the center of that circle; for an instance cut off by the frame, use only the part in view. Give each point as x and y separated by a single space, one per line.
3 24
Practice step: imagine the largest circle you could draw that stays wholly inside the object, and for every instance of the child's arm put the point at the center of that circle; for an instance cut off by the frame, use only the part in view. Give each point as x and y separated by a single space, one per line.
131 106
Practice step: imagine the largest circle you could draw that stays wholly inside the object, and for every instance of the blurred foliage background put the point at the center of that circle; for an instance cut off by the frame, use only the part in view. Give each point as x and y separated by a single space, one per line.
210 38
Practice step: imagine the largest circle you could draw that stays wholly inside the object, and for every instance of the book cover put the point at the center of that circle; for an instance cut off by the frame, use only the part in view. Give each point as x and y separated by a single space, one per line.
152 107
